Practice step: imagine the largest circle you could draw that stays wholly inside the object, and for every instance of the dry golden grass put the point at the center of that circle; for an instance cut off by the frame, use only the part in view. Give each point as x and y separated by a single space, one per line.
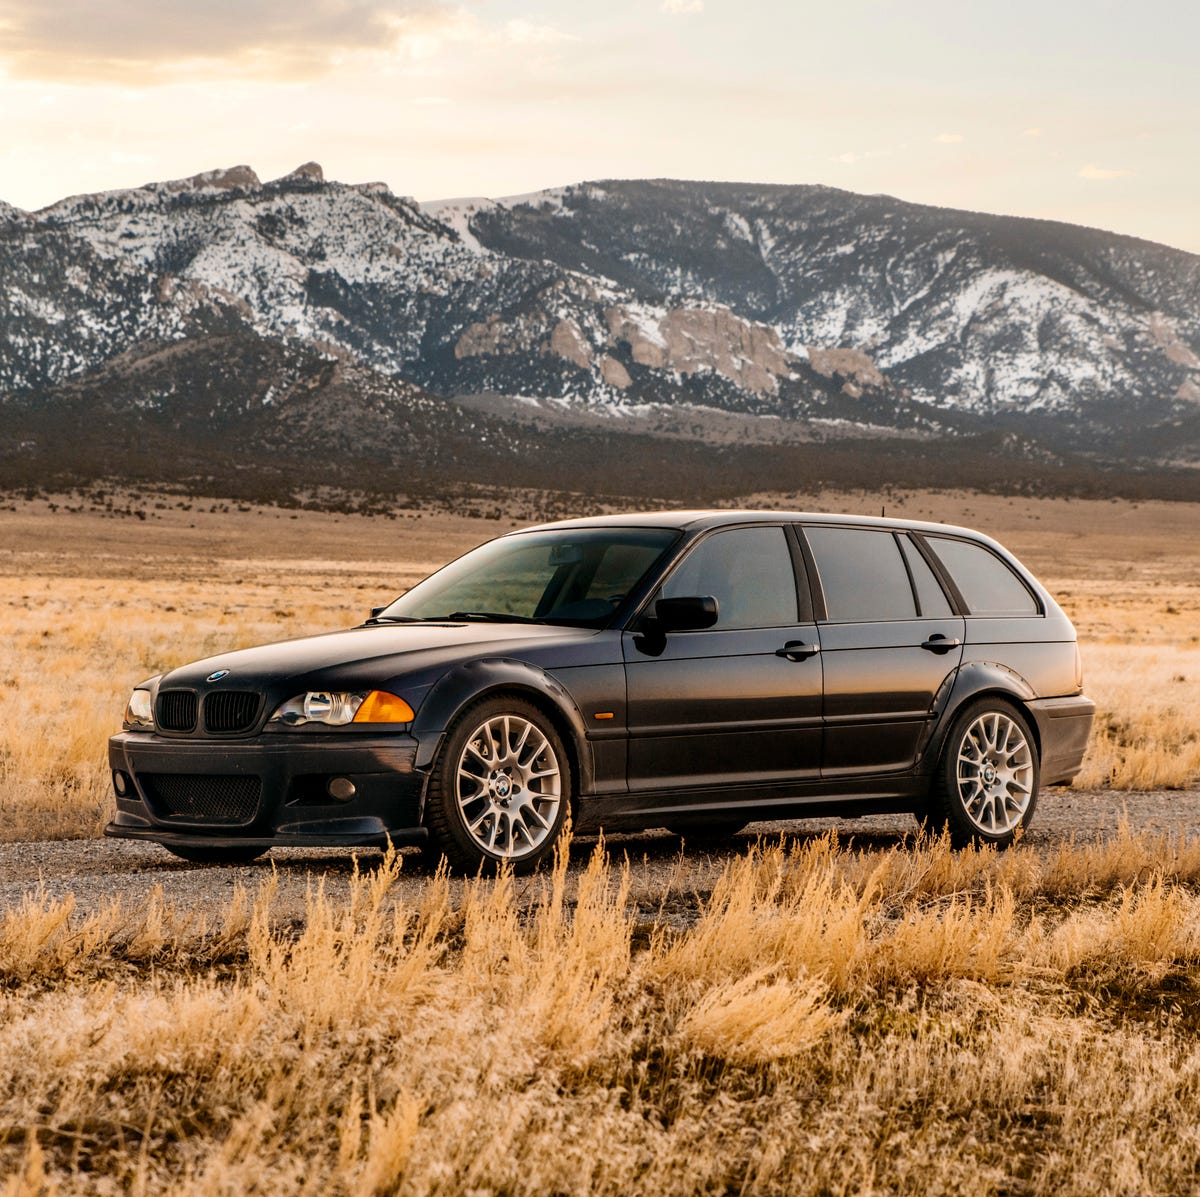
91 605
909 1021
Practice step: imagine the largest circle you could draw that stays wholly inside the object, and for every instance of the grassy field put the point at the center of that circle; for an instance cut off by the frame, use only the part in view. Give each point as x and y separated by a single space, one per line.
91 603
913 1020
822 1020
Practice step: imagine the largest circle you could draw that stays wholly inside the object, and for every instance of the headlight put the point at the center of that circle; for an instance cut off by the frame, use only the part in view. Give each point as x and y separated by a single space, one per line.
139 712
337 709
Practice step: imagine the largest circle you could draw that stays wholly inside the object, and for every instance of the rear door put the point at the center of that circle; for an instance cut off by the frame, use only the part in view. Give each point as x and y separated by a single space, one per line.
889 637
739 702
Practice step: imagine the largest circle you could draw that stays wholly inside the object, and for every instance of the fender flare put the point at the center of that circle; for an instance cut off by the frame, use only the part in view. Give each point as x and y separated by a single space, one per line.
477 679
968 682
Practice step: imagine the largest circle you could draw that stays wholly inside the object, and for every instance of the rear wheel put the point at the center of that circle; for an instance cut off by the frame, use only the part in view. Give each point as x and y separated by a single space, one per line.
986 785
501 788
231 854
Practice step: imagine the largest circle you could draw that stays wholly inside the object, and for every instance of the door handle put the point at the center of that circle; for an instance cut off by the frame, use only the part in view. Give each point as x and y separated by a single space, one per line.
797 650
937 643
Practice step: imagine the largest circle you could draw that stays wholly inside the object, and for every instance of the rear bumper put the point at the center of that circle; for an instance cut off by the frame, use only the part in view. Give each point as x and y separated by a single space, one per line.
1063 726
272 790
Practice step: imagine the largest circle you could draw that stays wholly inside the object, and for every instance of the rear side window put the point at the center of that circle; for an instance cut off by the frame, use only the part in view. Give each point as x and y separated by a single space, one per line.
862 574
930 596
748 571
987 584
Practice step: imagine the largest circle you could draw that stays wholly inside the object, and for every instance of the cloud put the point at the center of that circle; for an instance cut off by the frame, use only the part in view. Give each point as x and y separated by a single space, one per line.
138 42
526 33
950 138
682 8
1092 171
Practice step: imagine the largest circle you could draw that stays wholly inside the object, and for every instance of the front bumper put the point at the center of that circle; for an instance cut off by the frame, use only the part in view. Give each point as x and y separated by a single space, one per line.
1063 725
271 790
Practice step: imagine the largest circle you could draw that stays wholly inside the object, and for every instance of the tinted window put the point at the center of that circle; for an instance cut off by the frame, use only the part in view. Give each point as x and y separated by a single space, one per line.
748 571
987 584
862 574
930 597
571 575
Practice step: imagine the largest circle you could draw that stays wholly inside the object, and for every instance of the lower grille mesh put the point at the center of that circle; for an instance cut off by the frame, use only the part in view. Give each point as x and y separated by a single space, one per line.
202 799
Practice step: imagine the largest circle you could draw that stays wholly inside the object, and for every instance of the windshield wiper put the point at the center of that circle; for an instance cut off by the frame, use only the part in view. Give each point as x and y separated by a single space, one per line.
394 619
490 617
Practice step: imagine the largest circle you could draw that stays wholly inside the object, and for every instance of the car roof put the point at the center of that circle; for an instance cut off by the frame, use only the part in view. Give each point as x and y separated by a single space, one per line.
699 520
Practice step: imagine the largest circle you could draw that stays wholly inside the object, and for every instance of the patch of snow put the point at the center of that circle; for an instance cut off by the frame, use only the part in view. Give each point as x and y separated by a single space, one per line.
457 214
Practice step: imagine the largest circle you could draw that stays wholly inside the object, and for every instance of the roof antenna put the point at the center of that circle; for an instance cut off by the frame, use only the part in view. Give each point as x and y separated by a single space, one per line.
882 512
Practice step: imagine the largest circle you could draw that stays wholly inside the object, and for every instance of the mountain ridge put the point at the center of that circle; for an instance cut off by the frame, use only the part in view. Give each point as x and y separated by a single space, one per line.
615 299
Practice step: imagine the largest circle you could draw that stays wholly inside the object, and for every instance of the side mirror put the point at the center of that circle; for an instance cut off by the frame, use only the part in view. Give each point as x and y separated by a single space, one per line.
377 611
688 614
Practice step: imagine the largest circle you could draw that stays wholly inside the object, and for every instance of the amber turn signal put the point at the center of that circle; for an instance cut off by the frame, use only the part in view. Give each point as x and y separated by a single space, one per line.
381 707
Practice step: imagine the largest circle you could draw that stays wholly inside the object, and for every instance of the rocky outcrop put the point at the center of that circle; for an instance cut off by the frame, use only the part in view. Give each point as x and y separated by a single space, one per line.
229 179
496 335
1164 334
310 170
853 366
613 374
691 340
568 341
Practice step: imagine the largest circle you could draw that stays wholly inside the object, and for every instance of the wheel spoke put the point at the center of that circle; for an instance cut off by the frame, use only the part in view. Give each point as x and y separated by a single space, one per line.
475 780
529 811
519 747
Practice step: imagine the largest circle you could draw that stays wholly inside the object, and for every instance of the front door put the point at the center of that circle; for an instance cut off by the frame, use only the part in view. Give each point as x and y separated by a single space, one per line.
738 703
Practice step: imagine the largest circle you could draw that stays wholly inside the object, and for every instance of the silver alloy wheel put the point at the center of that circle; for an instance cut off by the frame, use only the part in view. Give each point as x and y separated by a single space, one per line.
995 773
508 786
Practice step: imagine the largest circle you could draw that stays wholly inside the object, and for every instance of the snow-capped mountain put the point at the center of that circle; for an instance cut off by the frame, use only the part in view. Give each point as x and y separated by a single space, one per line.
828 309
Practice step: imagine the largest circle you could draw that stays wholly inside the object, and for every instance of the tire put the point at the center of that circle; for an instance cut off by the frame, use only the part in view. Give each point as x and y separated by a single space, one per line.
233 854
703 830
986 784
500 790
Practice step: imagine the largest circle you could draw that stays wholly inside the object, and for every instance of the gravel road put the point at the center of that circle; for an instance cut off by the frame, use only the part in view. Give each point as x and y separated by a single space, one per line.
96 871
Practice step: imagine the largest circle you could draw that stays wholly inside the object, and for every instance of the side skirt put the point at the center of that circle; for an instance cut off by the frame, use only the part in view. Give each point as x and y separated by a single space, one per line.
821 798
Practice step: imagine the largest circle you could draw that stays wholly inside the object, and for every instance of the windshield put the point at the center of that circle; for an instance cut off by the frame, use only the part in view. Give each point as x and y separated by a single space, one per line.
578 576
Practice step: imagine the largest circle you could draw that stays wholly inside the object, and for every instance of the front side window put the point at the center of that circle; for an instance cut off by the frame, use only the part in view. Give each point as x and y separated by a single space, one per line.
748 571
862 575
571 576
986 583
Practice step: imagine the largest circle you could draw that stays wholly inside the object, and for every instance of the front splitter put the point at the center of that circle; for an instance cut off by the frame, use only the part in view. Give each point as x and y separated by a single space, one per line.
397 837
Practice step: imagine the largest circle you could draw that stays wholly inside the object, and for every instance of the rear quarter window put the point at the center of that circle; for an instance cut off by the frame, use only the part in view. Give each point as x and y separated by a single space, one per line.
988 585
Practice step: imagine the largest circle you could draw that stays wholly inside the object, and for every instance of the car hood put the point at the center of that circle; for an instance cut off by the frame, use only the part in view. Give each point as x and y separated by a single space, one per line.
374 653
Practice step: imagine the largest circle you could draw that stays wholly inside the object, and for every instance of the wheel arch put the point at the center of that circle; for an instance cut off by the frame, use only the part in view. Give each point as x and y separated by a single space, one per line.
485 679
976 680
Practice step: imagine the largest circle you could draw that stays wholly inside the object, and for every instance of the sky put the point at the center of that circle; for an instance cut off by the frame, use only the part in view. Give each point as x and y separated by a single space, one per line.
1079 110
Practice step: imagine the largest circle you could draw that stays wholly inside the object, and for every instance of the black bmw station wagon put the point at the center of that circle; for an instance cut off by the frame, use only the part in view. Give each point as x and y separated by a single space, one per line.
689 670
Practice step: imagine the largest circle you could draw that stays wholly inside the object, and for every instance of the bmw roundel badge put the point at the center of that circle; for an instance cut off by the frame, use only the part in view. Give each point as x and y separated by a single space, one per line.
216 677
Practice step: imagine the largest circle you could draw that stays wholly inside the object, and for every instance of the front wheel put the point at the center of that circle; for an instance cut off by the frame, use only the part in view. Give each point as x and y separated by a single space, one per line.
986 785
501 788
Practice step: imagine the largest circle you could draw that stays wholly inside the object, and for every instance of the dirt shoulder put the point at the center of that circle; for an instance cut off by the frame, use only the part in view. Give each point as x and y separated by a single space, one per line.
98 871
